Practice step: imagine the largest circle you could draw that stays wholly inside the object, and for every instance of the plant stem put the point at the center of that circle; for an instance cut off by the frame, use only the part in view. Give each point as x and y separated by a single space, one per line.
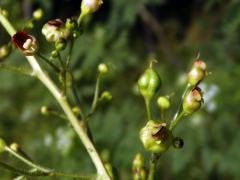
40 173
43 77
152 166
26 161
55 68
96 94
176 120
148 108
16 69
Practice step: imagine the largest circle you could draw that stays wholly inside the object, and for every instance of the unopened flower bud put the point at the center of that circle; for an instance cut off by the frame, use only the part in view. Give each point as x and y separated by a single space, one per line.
2 145
192 101
5 50
54 54
103 68
163 102
70 24
38 14
138 169
55 30
156 137
76 111
90 6
197 73
149 83
178 143
138 161
14 146
106 96
26 43
60 45
45 110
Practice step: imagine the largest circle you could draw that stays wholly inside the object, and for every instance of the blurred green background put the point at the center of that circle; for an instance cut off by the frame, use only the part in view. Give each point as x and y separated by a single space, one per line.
125 34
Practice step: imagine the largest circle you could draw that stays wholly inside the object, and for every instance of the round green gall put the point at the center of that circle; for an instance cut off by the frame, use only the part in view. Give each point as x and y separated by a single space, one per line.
149 83
2 145
163 102
156 137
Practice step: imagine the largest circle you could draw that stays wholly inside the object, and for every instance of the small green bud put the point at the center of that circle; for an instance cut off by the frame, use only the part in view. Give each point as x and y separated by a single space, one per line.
14 146
106 96
178 142
4 12
90 6
2 145
149 83
45 110
70 24
5 51
138 161
76 111
163 102
197 73
156 137
192 101
54 54
38 14
60 45
102 68
138 169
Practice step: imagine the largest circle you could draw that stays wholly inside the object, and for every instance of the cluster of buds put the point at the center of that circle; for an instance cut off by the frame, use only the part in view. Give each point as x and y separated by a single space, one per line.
156 137
138 169
55 30
26 43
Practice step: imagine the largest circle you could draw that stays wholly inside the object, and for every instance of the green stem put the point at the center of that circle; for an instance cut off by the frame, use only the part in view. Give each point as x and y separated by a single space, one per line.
152 166
148 108
60 59
96 94
16 69
40 173
43 77
80 18
69 53
25 160
55 68
176 120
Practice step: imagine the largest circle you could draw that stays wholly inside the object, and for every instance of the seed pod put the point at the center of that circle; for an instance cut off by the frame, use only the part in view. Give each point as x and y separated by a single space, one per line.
26 43
103 68
55 30
156 137
105 96
192 101
178 143
197 73
149 83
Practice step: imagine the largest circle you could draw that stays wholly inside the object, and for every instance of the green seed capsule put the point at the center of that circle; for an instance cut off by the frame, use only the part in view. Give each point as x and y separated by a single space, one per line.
163 102
149 83
192 101
156 137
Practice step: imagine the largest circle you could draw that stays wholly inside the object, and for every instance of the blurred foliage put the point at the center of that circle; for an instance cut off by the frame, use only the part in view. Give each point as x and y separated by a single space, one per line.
125 34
